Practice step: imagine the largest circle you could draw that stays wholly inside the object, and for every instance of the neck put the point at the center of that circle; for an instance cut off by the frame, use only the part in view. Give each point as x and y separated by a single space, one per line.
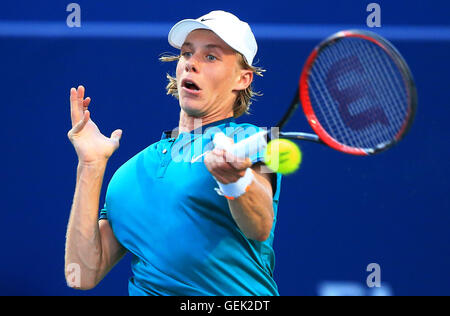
188 123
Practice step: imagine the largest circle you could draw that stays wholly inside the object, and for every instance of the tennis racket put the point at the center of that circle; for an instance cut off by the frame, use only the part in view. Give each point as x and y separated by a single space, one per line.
357 93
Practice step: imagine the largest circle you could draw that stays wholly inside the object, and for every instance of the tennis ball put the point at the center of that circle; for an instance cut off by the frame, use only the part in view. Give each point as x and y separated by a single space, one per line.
283 156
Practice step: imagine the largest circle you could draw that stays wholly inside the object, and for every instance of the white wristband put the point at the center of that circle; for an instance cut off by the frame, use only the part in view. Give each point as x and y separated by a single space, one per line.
238 188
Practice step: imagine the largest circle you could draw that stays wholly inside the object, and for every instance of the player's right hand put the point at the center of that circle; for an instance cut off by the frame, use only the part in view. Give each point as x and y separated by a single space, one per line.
90 144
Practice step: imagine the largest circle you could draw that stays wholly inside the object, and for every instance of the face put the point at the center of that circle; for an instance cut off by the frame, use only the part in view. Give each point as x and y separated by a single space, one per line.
209 76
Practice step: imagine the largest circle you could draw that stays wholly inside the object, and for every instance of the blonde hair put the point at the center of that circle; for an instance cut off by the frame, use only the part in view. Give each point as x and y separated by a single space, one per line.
245 97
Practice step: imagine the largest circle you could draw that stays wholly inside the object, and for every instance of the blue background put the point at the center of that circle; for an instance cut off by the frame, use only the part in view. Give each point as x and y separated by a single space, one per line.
336 215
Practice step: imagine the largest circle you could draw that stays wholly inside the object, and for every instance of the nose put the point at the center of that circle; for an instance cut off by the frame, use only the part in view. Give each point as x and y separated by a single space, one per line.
191 65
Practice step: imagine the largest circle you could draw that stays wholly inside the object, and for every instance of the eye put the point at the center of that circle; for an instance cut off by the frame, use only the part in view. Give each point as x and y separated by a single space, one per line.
211 58
186 54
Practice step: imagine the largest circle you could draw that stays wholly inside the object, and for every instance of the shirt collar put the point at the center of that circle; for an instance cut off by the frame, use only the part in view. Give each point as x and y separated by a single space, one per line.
174 132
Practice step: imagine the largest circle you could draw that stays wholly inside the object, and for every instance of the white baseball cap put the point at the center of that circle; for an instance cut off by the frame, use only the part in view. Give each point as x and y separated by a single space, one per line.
227 26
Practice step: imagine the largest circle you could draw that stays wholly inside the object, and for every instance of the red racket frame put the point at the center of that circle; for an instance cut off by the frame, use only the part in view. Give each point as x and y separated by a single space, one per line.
308 109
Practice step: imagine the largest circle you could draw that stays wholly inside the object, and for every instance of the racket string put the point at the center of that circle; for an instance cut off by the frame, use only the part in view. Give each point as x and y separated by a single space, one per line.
385 101
380 104
321 93
396 112
336 129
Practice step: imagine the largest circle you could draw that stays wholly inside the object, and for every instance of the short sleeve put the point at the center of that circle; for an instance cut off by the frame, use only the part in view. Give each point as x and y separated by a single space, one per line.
103 213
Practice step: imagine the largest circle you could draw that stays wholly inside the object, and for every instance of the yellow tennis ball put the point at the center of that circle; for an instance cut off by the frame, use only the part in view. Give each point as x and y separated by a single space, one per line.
283 156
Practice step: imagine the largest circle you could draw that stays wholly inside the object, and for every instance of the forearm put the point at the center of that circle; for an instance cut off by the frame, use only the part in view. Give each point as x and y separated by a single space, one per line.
83 242
253 211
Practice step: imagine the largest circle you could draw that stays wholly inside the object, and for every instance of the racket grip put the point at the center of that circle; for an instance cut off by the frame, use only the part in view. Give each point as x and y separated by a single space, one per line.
243 149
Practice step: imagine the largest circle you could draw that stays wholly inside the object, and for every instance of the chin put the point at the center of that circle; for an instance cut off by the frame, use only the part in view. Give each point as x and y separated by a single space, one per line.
192 109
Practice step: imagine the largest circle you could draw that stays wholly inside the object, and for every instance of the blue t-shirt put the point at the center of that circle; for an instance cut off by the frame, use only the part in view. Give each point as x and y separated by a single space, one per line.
165 211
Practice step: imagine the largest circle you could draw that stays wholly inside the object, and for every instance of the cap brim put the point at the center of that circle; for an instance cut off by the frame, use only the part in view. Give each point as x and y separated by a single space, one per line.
180 31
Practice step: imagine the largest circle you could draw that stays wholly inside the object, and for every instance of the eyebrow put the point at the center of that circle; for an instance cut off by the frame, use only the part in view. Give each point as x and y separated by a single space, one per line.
209 46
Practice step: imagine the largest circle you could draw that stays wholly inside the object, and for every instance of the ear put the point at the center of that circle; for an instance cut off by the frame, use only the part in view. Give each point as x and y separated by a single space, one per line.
244 80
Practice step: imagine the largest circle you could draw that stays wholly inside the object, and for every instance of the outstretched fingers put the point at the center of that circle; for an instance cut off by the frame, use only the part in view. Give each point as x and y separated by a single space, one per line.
78 105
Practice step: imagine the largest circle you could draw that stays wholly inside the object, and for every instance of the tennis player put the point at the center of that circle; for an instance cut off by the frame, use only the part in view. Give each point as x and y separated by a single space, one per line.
193 228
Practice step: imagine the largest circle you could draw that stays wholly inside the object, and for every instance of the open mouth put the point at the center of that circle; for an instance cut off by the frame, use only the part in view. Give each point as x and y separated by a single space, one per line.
190 85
